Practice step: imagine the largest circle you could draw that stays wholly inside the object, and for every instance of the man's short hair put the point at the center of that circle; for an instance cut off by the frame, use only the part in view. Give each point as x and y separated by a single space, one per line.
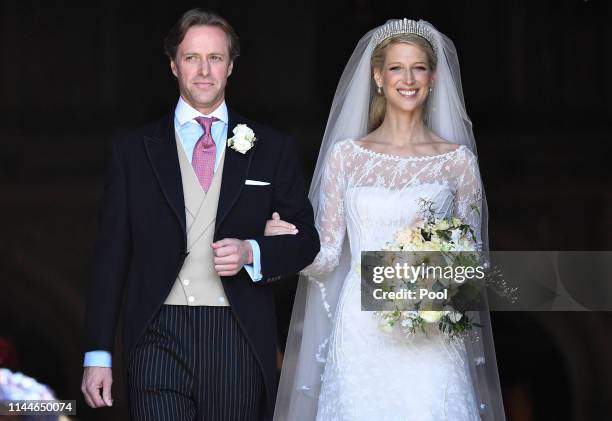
200 17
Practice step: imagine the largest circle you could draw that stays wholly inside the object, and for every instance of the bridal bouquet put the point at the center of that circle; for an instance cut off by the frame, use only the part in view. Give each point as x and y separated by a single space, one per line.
435 241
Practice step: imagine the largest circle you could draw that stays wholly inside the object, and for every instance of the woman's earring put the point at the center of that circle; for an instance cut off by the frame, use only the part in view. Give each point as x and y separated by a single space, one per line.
430 89
379 91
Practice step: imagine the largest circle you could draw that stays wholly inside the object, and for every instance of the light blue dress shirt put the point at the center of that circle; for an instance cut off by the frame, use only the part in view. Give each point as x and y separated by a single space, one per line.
189 132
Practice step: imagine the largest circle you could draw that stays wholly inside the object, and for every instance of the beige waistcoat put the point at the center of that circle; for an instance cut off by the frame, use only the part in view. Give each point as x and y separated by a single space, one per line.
197 283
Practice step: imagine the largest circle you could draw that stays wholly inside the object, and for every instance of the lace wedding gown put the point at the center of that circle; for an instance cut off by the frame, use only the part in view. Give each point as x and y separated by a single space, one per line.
369 374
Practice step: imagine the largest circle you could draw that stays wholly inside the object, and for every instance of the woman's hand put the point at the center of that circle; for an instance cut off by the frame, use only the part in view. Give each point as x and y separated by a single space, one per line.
276 226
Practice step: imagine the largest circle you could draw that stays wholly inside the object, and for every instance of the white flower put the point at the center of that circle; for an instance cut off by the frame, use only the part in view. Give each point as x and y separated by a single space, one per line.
242 130
243 139
456 235
431 316
455 316
442 224
407 323
241 145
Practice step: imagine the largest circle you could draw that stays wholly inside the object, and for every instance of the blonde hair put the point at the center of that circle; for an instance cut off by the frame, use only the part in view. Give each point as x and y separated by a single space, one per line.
378 103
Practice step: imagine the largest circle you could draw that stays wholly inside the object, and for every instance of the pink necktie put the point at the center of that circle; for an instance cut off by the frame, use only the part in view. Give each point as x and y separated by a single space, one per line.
204 153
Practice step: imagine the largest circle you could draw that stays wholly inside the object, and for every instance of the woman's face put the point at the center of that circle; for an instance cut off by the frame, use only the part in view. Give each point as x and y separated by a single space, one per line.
405 77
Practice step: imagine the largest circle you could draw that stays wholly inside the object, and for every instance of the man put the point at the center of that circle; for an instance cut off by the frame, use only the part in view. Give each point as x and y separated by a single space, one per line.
185 205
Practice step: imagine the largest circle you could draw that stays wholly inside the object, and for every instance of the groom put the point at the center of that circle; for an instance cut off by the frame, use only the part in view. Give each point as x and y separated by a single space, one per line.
181 234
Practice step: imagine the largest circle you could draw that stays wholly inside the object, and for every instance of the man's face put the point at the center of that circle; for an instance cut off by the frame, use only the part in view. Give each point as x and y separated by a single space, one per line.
202 66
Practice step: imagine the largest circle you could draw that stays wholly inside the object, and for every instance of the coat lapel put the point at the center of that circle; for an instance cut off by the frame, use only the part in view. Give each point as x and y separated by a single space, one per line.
161 149
236 168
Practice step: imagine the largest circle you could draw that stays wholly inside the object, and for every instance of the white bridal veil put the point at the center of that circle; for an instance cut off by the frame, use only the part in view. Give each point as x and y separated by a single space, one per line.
315 304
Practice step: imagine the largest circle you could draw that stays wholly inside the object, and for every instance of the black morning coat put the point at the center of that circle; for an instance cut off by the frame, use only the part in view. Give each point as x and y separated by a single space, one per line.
141 241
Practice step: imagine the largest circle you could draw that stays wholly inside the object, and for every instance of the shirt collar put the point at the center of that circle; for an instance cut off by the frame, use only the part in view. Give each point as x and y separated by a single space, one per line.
185 112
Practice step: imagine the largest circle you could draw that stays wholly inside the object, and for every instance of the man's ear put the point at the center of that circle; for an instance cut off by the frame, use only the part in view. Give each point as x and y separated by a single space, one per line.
230 68
173 68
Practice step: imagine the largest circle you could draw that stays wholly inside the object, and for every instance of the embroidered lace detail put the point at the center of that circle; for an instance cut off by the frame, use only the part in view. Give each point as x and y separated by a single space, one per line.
368 196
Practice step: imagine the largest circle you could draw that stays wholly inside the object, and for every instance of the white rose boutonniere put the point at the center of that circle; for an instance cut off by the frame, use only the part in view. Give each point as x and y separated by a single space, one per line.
243 138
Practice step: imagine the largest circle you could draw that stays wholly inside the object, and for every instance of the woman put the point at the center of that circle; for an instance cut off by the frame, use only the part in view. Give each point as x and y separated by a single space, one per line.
397 133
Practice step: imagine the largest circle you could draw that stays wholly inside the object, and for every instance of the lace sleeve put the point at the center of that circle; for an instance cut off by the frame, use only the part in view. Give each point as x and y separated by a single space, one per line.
330 219
468 196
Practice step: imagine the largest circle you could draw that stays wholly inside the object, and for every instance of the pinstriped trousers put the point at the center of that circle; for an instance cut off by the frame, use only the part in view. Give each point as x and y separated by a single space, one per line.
194 363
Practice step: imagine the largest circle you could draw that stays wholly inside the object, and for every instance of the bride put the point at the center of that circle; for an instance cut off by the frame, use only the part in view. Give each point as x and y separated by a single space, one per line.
397 133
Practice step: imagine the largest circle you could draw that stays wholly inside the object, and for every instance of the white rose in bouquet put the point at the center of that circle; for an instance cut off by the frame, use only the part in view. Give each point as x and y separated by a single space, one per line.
431 316
455 316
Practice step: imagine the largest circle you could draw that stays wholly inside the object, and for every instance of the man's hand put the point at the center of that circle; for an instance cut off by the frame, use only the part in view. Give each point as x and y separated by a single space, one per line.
276 226
231 255
94 379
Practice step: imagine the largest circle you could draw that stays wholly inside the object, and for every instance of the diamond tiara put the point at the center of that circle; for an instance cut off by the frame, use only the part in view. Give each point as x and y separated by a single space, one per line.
404 26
